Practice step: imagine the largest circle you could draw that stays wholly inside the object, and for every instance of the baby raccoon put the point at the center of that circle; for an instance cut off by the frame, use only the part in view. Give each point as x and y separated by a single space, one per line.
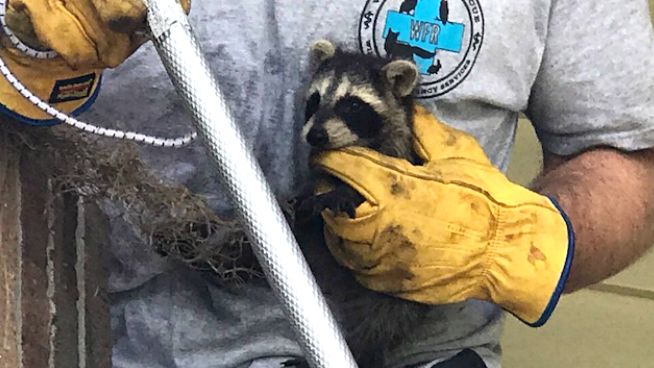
358 100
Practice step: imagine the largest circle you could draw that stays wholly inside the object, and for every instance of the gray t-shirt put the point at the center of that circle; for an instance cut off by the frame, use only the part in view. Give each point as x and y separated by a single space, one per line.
583 72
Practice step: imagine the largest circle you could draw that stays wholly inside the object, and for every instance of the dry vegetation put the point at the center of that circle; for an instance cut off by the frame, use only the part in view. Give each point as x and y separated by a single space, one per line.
177 222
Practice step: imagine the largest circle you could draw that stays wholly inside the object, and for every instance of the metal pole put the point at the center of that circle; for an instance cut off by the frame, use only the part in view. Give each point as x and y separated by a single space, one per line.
270 235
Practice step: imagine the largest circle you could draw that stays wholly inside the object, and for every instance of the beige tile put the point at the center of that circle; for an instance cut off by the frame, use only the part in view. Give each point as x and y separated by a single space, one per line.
639 276
588 330
526 157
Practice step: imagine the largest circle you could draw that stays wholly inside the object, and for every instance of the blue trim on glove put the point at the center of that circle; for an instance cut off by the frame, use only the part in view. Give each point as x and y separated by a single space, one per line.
50 122
564 274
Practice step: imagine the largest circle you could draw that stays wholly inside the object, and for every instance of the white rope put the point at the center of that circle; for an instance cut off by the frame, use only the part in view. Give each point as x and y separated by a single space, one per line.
89 128
17 42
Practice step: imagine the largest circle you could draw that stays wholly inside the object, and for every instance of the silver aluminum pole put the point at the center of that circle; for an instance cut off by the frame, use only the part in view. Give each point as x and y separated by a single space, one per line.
270 235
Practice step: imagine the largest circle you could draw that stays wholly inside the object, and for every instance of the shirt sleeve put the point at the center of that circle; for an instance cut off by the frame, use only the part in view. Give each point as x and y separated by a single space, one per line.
595 85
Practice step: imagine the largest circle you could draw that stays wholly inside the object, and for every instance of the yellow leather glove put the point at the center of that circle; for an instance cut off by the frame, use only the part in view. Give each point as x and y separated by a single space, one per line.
87 35
450 230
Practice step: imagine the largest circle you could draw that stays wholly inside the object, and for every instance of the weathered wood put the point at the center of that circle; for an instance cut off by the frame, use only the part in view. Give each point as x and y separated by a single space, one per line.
35 304
92 241
53 306
9 257
62 279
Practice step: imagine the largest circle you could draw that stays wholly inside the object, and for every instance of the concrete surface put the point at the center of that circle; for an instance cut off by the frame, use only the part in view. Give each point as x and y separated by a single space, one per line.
590 329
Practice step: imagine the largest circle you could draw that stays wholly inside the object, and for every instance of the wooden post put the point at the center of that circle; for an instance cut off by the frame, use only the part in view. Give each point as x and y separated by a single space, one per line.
53 306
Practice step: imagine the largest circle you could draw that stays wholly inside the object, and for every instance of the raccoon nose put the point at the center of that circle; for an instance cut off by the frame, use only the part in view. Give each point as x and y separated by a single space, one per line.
317 137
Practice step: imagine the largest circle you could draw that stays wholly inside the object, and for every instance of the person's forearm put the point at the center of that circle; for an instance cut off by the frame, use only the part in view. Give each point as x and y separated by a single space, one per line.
609 199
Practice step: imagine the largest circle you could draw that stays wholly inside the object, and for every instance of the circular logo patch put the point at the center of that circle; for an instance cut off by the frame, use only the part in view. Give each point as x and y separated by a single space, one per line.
443 37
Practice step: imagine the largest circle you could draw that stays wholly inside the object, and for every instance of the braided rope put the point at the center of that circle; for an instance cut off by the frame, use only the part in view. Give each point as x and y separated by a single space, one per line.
89 128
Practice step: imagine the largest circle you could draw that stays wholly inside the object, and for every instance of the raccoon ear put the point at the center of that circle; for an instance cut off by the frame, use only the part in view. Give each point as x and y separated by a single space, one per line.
322 50
402 76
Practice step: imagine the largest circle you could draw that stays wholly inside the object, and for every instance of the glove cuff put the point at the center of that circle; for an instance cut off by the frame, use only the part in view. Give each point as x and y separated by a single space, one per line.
69 91
531 258
565 272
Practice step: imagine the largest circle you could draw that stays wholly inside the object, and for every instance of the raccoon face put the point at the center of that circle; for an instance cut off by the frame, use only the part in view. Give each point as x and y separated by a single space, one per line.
338 121
354 99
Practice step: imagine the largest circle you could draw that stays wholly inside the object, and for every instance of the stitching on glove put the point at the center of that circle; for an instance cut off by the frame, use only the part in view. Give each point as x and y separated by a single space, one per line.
490 252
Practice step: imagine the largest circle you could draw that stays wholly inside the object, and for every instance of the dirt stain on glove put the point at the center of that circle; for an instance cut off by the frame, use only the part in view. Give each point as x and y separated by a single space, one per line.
125 24
451 140
402 251
535 254
399 188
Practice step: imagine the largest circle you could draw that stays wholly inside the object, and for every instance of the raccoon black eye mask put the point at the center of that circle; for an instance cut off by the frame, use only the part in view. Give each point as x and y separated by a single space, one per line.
349 113
359 116
312 106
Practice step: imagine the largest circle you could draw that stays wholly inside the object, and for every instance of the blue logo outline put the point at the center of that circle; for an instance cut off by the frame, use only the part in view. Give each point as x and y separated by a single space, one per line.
418 32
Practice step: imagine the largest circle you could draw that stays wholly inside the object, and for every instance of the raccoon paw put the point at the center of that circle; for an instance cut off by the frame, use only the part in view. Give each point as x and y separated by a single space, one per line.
296 363
344 206
334 201
338 203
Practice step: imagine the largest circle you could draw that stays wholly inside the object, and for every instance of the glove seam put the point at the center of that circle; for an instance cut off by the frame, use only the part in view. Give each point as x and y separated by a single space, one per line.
490 251
73 19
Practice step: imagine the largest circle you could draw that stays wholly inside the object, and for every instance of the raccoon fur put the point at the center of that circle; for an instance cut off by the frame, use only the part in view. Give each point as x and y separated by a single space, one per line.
357 100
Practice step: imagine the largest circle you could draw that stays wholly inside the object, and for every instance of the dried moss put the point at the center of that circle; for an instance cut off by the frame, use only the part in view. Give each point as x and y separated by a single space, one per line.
172 219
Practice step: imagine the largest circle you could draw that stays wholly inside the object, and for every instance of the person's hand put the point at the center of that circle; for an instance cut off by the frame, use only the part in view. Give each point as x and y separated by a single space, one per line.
450 230
62 47
87 34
